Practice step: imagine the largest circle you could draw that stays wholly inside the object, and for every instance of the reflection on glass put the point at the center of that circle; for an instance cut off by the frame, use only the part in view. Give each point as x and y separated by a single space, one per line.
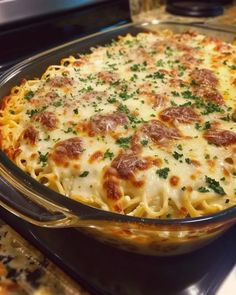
139 6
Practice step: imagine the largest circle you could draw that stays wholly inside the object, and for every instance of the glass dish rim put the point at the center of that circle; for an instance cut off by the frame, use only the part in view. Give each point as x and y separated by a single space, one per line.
53 197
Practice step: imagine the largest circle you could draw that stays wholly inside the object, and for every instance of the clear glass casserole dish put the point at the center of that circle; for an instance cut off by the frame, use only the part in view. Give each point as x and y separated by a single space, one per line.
33 202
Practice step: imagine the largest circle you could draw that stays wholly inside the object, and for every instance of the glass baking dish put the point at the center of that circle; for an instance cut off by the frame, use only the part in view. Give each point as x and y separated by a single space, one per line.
35 203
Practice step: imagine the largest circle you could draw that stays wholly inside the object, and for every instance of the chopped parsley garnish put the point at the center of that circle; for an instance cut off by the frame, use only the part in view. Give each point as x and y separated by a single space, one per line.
76 111
139 67
160 63
29 95
31 113
135 68
175 93
57 103
188 161
12 112
207 125
70 130
226 118
108 54
208 107
179 147
144 142
163 173
177 156
232 67
87 89
135 120
123 108
84 174
124 141
124 95
174 104
158 75
202 189
215 186
168 52
193 83
111 99
108 154
43 158
211 107
47 138
115 83
134 77
188 94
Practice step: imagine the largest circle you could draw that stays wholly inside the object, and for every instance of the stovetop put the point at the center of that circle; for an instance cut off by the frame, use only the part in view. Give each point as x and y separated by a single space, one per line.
36 31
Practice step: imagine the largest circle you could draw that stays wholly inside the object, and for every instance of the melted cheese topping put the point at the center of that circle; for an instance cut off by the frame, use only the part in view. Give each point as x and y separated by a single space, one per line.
144 126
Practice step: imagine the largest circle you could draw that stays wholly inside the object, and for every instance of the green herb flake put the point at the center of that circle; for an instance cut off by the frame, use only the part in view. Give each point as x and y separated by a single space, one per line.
144 142
108 155
84 174
76 111
168 52
135 68
43 158
214 185
57 103
163 173
188 161
124 95
31 113
158 75
123 109
111 99
207 156
179 147
197 126
124 141
70 130
160 63
175 93
47 138
108 54
29 95
193 83
211 107
177 156
202 189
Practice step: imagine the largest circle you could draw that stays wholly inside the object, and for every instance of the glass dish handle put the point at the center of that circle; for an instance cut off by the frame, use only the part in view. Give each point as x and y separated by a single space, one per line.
23 207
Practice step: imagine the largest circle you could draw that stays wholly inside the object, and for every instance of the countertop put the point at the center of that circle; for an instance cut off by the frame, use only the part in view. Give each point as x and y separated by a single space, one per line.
25 271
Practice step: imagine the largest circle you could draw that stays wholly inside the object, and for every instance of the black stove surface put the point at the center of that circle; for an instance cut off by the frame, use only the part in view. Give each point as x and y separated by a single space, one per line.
104 270
26 37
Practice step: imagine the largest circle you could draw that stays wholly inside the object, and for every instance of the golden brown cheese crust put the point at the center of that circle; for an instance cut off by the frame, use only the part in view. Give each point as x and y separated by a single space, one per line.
144 126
